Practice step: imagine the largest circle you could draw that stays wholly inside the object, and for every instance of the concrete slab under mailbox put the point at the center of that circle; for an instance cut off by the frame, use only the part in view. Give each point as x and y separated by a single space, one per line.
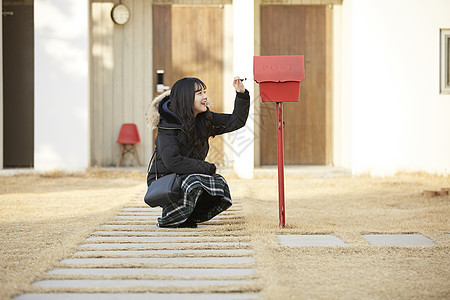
398 240
310 240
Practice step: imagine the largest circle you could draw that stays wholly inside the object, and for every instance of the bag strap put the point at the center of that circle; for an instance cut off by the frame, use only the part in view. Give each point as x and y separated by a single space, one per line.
156 164
150 163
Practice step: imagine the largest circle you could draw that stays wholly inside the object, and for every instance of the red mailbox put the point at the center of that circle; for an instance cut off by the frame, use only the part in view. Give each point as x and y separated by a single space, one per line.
279 77
279 80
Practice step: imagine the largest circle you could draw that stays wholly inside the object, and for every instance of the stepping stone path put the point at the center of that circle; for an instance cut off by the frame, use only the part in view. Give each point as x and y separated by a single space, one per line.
131 258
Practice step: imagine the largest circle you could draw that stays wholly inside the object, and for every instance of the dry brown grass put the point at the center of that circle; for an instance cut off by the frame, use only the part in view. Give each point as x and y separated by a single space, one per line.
349 207
44 217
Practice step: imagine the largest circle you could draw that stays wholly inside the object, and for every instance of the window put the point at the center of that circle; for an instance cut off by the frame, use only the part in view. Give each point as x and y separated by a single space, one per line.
445 61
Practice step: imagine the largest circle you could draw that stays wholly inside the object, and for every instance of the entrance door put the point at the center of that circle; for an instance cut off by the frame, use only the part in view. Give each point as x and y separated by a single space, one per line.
187 42
18 84
298 30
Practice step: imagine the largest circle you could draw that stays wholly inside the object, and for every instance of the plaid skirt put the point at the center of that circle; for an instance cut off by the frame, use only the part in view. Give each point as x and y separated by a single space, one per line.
203 197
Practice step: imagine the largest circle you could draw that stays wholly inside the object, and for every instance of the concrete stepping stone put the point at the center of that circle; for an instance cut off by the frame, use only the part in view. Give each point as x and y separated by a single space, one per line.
398 240
133 217
173 272
136 296
164 233
143 222
310 240
130 232
162 245
129 283
129 226
141 209
140 233
156 238
165 252
159 260
151 216
138 216
140 213
144 209
235 209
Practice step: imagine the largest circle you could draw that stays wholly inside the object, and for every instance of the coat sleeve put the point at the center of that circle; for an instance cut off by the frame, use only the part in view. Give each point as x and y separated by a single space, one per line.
169 151
224 123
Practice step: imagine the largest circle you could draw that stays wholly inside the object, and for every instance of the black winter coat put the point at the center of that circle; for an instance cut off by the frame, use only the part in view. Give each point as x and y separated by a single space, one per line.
173 155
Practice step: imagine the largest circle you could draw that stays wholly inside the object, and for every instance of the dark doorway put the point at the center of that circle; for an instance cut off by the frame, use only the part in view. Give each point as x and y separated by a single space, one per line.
18 84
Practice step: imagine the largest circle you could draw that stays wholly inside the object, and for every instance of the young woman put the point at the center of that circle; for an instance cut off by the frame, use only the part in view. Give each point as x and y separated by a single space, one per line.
185 125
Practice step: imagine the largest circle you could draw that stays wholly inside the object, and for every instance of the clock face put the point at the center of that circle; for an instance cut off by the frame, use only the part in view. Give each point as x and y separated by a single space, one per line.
120 14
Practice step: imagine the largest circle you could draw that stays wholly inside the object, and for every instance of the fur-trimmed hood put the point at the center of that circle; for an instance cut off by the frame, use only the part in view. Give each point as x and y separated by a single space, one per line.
152 115
172 139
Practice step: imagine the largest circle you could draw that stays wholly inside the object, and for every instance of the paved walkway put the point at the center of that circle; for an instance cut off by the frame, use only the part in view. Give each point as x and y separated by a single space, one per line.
131 258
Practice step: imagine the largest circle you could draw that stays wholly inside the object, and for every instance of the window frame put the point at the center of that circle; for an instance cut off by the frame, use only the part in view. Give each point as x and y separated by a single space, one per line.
445 61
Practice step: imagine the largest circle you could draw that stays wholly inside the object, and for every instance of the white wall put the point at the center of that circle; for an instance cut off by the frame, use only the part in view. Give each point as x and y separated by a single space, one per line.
244 142
61 84
342 87
228 74
399 121
1 92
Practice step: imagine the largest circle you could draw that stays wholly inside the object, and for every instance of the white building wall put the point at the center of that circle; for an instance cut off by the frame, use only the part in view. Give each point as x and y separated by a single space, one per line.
1 92
390 63
342 89
244 138
61 84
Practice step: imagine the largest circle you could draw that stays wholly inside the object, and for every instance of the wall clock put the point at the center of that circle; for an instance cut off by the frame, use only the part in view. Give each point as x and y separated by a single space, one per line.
120 14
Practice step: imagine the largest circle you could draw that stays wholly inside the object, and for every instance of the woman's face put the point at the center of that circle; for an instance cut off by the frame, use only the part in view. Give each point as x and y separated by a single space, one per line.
200 99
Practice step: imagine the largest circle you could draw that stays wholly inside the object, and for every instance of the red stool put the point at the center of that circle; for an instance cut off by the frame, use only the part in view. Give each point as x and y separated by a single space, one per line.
128 138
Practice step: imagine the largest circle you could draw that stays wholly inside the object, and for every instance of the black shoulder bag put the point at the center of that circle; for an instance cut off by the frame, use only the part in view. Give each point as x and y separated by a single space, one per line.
163 190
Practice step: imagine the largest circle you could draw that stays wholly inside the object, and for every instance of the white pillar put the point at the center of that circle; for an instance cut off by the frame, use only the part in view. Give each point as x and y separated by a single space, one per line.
1 92
243 29
61 85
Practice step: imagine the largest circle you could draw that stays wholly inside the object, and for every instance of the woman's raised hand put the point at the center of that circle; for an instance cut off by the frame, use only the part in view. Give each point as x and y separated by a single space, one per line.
238 85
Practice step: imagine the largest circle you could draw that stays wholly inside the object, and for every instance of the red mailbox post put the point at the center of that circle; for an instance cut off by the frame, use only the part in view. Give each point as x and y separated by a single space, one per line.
279 80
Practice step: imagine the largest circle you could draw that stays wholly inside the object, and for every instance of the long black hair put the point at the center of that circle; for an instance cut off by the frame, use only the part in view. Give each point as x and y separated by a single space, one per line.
199 128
